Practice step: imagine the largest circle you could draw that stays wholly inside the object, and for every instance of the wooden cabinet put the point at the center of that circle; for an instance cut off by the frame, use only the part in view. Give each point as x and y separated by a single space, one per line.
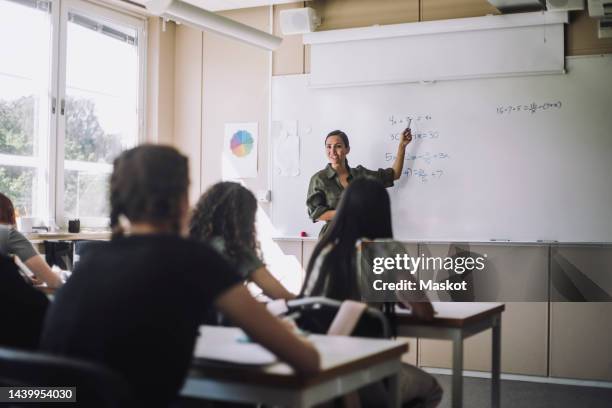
512 272
563 338
581 332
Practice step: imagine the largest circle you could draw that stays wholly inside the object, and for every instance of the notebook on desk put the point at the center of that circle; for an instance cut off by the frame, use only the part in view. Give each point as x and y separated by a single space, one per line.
233 351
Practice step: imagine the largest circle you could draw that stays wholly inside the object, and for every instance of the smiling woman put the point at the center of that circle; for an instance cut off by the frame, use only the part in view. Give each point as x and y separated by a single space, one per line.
327 185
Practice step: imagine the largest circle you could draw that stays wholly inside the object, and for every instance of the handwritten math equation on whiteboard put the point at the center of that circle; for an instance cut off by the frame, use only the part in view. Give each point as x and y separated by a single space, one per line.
423 175
424 167
427 157
405 120
531 108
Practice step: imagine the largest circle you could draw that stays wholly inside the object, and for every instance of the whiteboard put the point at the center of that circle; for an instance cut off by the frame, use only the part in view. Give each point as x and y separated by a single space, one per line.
523 158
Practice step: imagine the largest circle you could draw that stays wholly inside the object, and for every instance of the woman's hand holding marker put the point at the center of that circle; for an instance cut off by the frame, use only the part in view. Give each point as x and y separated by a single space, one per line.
398 164
406 138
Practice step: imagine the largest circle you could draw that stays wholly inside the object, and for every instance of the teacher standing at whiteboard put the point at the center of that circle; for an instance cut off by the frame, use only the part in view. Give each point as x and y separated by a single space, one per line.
327 185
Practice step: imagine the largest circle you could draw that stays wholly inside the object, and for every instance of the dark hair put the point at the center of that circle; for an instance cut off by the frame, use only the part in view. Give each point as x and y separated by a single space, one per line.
226 210
340 133
149 184
7 210
364 212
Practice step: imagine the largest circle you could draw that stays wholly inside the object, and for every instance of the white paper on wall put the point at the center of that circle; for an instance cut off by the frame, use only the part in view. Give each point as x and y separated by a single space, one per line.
286 144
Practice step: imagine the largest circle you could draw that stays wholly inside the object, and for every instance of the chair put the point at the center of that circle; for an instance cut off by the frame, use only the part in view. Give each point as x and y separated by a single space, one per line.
315 314
96 386
22 308
81 247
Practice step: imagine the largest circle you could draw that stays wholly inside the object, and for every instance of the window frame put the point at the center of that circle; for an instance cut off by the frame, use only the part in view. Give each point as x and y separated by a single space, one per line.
40 207
50 181
56 160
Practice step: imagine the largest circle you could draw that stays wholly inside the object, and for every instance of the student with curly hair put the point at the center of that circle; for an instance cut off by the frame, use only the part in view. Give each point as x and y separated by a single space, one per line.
135 303
225 218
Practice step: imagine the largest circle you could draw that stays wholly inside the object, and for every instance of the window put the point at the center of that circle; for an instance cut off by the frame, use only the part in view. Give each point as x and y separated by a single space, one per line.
66 111
25 86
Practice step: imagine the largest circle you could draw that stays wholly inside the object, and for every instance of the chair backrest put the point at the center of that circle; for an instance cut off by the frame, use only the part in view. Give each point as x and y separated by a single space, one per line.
22 308
59 253
81 247
96 386
315 314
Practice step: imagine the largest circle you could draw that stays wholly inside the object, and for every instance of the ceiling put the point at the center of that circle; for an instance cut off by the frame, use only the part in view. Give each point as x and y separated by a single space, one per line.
218 5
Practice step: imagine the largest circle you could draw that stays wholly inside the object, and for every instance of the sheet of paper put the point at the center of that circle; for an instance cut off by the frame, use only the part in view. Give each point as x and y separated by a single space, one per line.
237 351
286 144
346 319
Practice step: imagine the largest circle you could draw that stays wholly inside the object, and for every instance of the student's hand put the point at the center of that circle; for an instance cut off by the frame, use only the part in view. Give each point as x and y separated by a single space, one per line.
406 138
35 281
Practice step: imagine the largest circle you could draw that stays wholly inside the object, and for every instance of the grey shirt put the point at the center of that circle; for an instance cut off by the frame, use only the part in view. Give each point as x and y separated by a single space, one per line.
12 242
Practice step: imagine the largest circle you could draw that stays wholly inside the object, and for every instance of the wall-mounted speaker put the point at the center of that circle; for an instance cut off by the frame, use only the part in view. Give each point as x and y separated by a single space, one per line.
299 21
564 5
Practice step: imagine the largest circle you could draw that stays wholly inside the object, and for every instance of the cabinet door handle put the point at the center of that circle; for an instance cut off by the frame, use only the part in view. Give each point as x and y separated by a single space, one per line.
53 105
62 107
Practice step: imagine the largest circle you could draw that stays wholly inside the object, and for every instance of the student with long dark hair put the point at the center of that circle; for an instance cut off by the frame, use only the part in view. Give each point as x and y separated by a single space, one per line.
225 218
365 213
14 243
135 303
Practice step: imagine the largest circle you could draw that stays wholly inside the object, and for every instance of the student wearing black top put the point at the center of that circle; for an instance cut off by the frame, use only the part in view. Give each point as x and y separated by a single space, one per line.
135 303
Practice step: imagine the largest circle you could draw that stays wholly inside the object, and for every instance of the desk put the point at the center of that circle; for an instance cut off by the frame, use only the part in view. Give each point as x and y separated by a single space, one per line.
456 321
347 363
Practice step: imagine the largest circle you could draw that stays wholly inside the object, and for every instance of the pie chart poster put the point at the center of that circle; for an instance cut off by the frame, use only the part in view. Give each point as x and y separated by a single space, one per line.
240 151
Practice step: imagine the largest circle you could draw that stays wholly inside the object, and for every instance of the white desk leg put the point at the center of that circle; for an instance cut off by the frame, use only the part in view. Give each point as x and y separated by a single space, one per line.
395 398
495 362
457 390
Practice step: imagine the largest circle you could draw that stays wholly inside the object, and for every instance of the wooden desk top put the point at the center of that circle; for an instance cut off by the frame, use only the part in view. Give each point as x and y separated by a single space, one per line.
339 355
39 237
454 314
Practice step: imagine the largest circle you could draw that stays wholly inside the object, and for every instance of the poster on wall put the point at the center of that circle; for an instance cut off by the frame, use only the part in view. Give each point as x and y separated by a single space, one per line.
240 151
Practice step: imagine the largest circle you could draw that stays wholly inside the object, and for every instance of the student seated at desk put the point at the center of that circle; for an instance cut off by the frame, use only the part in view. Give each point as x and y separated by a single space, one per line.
225 218
13 242
365 212
135 303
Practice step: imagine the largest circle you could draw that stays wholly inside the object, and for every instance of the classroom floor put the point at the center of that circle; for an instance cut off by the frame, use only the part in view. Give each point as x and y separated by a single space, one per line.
523 394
